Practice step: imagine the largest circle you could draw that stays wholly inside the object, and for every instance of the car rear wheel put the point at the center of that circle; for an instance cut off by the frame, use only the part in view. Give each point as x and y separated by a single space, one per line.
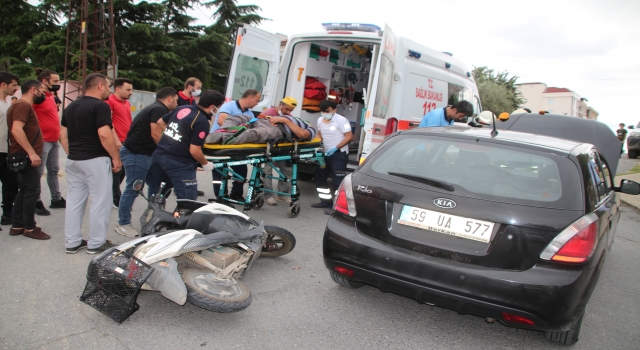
344 282
633 153
569 337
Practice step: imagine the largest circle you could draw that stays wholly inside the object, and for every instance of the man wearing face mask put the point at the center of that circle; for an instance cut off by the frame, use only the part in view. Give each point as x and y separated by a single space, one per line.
47 113
180 147
25 137
335 131
192 89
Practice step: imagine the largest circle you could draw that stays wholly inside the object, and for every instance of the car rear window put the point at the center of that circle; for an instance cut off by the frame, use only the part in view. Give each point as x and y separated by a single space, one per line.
481 170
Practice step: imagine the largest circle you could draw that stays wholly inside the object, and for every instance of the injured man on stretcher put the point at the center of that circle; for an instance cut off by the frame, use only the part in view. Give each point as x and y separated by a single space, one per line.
272 124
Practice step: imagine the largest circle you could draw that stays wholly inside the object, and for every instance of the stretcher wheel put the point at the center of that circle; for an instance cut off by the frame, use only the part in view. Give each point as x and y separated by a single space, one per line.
294 210
259 202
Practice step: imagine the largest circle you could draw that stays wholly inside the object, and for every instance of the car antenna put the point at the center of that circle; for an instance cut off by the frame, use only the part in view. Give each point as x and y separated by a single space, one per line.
504 116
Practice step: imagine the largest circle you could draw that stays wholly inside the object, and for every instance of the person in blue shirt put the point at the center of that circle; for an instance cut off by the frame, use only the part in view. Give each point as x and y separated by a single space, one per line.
180 147
249 99
446 116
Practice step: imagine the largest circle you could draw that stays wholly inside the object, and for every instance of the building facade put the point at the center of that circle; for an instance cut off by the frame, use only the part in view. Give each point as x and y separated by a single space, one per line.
540 97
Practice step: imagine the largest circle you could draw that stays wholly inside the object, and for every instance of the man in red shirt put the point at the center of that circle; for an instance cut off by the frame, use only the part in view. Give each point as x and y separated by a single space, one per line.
192 89
121 116
49 121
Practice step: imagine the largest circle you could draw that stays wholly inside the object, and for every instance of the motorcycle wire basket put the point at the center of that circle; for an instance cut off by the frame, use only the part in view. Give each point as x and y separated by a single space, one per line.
113 283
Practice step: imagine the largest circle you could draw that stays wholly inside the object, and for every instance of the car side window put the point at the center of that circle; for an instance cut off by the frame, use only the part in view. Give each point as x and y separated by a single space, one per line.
607 174
598 176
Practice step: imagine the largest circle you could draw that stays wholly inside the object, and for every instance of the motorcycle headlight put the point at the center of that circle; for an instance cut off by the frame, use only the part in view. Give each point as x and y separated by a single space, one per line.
141 251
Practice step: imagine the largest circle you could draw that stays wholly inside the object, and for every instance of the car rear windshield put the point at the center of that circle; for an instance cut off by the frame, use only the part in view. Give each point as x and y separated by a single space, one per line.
480 169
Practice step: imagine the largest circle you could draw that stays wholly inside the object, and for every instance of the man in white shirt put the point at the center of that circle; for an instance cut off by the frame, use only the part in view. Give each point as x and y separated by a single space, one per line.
8 87
335 131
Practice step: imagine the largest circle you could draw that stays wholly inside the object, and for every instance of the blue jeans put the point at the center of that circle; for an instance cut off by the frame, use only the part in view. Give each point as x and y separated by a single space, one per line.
136 167
177 175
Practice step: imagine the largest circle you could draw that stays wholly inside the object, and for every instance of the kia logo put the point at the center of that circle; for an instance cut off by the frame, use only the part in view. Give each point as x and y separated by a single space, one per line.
444 203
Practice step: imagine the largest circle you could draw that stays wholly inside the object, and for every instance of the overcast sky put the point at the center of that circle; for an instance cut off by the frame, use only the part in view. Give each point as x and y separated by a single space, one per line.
588 46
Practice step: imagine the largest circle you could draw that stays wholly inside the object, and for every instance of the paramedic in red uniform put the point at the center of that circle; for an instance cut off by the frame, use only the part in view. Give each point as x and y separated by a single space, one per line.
47 113
121 119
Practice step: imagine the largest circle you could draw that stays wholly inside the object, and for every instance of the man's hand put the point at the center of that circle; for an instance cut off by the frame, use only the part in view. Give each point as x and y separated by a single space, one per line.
208 166
331 151
276 120
117 165
35 160
118 145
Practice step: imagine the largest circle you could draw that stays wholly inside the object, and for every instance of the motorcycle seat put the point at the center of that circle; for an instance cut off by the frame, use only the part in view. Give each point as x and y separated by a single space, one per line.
209 223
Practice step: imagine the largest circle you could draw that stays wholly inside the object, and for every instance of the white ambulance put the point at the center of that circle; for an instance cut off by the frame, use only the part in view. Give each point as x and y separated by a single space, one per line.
382 83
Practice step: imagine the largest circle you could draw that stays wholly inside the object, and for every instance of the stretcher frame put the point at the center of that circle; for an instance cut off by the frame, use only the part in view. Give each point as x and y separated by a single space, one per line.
273 152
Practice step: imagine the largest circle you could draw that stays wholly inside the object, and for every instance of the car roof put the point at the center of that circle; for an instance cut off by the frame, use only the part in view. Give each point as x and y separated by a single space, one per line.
504 136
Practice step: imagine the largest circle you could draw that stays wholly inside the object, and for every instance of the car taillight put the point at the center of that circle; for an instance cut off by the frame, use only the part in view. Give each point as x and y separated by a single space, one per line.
574 244
517 319
392 126
345 202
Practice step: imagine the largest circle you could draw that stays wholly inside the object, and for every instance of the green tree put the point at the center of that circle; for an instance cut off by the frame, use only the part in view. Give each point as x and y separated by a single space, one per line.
497 90
228 15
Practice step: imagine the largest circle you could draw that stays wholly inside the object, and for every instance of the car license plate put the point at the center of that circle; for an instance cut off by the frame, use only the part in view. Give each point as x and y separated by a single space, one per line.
458 226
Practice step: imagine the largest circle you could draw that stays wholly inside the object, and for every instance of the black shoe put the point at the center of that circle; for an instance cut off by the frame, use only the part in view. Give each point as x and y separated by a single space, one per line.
41 210
237 197
74 250
106 245
59 204
321 205
200 193
6 220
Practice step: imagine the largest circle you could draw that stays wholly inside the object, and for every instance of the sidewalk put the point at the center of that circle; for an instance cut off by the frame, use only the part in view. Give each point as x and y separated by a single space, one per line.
627 198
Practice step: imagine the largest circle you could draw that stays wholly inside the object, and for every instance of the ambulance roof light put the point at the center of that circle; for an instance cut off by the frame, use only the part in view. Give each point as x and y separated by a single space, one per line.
356 27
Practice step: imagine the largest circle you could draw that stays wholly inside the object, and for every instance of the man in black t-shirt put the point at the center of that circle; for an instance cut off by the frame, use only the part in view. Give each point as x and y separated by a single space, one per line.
87 139
137 150
622 135
180 147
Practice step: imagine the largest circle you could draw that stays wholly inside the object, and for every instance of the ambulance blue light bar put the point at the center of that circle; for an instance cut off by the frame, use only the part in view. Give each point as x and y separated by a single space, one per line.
356 27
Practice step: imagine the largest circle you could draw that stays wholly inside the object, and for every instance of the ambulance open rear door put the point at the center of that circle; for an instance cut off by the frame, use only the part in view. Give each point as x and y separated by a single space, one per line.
254 65
379 100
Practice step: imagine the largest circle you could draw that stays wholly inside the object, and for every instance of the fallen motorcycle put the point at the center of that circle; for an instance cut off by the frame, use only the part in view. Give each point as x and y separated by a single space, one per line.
156 219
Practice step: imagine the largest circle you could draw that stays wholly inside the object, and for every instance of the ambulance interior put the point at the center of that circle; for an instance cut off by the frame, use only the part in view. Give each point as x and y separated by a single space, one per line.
338 70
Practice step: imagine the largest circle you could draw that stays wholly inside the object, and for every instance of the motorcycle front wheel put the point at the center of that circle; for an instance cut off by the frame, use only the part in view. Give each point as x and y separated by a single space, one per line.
279 242
206 290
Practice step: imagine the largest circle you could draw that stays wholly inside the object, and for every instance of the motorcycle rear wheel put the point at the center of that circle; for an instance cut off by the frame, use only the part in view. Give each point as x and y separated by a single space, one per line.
279 242
206 290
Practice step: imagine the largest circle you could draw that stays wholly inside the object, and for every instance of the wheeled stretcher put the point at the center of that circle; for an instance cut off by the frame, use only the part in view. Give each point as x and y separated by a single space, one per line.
224 157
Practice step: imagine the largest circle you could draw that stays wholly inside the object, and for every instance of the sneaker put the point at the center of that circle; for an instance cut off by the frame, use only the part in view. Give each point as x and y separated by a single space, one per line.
126 230
285 199
59 204
36 233
105 246
41 210
200 193
74 250
271 201
16 231
321 205
6 220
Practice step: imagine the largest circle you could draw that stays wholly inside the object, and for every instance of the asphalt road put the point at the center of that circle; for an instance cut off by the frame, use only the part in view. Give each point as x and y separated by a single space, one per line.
295 303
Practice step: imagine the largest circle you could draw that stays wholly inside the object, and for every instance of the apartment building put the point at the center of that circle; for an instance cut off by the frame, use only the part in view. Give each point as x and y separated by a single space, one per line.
540 97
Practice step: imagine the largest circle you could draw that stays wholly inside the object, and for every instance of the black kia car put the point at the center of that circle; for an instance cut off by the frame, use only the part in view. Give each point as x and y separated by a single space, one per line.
513 228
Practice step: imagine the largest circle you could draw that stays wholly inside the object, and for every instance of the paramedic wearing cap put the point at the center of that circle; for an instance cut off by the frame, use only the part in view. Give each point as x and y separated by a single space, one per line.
335 131
295 128
446 116
180 147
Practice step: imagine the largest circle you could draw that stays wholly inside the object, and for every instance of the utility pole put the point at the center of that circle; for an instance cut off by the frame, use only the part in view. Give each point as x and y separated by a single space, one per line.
91 46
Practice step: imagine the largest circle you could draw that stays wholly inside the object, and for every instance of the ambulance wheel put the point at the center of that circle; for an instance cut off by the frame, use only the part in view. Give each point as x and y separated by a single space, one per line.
259 202
294 210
